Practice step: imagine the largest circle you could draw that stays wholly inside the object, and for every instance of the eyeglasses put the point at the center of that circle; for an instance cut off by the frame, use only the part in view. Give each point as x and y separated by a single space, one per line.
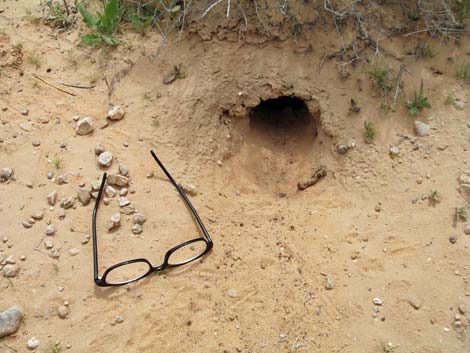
132 270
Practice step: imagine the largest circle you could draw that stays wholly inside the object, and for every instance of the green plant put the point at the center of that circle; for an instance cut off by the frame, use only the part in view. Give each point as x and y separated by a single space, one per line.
462 7
450 100
57 162
463 71
381 80
461 213
35 60
369 131
104 26
419 102
424 50
58 15
141 22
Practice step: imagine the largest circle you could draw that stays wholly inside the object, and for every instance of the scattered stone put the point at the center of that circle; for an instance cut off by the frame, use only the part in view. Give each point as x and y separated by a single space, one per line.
23 258
86 239
464 178
232 293
123 201
10 260
63 311
38 215
123 192
453 239
29 184
33 343
128 210
6 174
10 270
342 149
464 190
55 253
150 175
48 244
467 229
137 229
422 129
24 112
99 148
36 143
123 170
10 321
394 151
74 252
105 159
106 201
110 191
61 213
68 202
377 301
84 126
414 302
189 189
330 284
50 175
52 198
114 222
459 104
462 309
62 179
119 319
116 113
50 230
26 224
118 180
83 194
95 185
138 218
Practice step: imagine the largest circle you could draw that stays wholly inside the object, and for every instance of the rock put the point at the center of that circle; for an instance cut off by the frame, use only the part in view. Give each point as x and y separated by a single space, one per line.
119 319
84 126
105 159
330 284
95 185
464 190
63 311
123 201
377 301
138 218
10 321
6 174
110 191
48 244
114 222
128 210
123 170
10 270
83 195
50 230
414 302
52 198
422 129
394 151
62 179
342 149
38 215
33 343
464 178
118 180
36 143
74 252
67 202
462 309
123 192
50 175
232 293
137 229
86 239
459 104
453 239
189 189
99 148
26 127
116 113
61 213
26 224
55 253
10 260
467 229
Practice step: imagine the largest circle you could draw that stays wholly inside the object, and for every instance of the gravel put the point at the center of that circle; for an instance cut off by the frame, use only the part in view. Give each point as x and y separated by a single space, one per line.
118 180
189 189
110 191
6 174
10 321
68 202
99 148
50 230
116 113
377 301
137 228
10 270
422 129
138 218
414 301
38 215
123 201
63 311
74 252
83 194
114 222
33 343
105 159
123 170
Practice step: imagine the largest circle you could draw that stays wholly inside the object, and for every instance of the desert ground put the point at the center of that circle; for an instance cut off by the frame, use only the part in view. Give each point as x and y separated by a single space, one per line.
373 257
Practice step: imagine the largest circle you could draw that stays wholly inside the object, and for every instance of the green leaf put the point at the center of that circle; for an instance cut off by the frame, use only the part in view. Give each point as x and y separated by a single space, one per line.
111 18
89 19
92 39
175 9
109 40
413 109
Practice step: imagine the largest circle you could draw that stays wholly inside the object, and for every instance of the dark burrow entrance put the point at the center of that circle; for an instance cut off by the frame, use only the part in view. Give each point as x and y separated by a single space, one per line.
278 140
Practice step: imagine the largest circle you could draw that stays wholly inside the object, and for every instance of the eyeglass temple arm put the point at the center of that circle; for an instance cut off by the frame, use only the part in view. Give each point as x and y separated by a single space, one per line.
185 198
95 242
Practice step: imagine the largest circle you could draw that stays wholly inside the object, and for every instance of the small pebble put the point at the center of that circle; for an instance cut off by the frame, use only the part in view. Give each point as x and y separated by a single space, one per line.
85 239
74 251
50 230
33 343
10 270
394 151
114 222
105 159
52 198
84 126
119 319
116 113
414 302
232 293
136 228
99 148
377 301
138 218
63 311
453 239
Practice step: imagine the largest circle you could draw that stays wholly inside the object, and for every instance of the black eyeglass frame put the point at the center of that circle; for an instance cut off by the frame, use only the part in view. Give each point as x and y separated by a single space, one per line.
101 281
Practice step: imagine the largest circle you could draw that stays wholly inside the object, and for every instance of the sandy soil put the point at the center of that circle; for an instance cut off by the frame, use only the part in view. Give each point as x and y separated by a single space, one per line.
366 225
